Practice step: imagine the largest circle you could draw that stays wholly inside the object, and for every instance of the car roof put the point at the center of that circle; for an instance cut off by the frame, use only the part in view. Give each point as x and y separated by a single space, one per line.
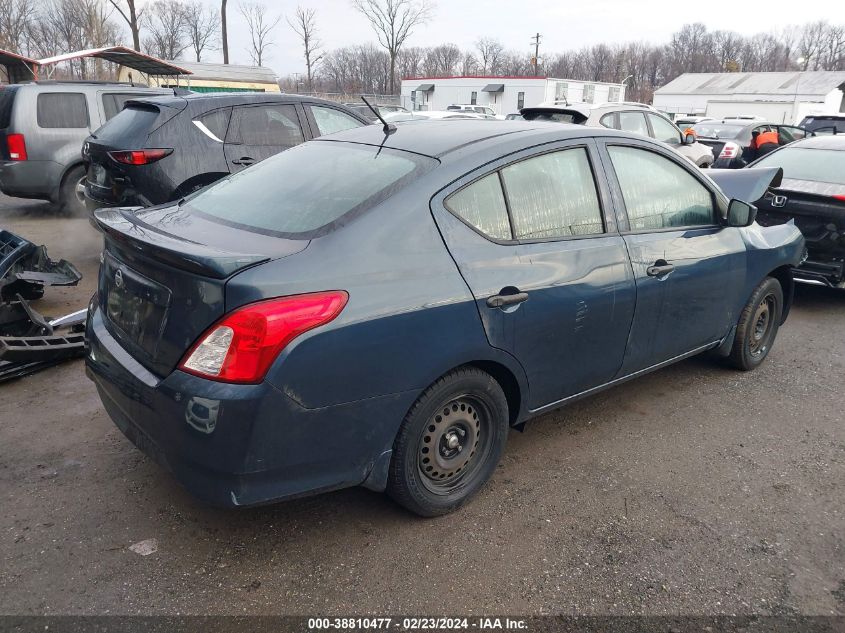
437 138
836 142
214 99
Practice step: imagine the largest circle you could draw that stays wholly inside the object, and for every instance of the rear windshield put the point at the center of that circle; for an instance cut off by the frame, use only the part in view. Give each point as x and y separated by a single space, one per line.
826 124
7 100
803 163
132 122
557 117
717 130
309 189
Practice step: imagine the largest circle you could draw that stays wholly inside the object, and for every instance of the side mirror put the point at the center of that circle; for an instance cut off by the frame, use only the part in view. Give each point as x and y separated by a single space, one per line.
741 213
689 139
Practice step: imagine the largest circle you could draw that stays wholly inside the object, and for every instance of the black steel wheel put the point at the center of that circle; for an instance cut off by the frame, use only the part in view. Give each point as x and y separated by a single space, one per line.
449 443
758 325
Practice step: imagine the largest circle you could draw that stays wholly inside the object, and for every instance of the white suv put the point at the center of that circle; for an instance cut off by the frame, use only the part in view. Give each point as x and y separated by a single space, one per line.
478 109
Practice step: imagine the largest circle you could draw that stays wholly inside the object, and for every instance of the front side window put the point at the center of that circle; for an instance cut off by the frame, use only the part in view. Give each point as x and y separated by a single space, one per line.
271 125
633 122
553 195
330 120
482 205
663 130
62 110
658 192
310 189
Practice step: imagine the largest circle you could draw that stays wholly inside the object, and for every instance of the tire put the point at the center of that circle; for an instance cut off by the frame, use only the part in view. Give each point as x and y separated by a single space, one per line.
69 199
430 472
758 326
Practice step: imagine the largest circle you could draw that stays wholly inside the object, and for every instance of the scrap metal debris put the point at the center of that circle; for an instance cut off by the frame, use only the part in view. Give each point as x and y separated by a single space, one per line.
29 341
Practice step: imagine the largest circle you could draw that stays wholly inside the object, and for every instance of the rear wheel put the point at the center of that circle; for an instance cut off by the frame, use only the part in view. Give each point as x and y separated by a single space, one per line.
71 197
449 443
758 325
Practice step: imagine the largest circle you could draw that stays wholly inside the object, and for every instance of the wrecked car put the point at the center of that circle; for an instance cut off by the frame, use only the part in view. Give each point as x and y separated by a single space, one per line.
384 321
812 194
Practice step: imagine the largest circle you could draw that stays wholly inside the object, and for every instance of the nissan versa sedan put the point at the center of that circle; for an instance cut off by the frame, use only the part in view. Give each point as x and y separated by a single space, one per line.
385 319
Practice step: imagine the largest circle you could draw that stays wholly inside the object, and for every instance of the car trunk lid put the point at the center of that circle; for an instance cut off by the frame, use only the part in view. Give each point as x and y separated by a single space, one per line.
163 276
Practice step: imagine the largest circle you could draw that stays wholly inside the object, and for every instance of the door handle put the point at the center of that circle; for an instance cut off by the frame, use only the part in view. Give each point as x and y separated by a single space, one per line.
500 301
660 268
244 160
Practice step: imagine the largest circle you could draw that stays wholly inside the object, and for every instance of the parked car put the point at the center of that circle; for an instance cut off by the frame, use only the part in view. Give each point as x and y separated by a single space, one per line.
379 310
685 123
42 127
453 114
824 123
383 108
161 149
478 109
813 195
514 116
730 139
636 118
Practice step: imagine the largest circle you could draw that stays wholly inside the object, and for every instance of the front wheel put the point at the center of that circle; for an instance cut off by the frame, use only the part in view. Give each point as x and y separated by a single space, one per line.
758 325
449 443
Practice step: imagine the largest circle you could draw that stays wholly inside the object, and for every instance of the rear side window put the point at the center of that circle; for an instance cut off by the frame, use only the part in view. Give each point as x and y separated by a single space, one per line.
275 125
7 100
113 102
609 120
216 123
553 195
308 190
669 197
482 205
130 125
62 110
330 120
633 122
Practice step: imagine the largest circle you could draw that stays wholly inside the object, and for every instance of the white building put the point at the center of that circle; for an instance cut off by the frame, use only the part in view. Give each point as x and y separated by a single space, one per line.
505 95
778 97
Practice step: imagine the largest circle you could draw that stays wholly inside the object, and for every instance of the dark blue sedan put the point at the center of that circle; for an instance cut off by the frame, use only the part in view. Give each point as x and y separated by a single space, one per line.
378 309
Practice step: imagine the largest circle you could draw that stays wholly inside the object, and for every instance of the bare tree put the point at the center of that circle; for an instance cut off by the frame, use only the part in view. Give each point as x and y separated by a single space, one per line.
304 25
260 27
393 21
489 51
224 34
132 16
201 28
165 21
17 18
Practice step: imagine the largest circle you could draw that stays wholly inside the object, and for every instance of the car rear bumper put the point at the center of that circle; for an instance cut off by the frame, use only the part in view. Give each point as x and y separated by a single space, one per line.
39 179
99 197
240 445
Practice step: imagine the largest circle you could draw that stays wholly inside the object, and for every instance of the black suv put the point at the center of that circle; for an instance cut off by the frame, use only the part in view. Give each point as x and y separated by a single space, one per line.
161 149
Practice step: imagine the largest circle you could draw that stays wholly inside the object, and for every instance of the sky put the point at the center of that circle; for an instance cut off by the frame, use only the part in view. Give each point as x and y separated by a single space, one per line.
563 24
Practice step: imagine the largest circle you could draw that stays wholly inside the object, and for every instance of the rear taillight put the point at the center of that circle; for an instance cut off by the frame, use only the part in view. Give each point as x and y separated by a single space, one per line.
243 344
139 156
730 150
840 196
17 146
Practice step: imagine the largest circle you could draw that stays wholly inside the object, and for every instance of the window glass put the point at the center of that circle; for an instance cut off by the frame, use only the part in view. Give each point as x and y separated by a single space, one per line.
553 195
613 94
275 125
62 110
113 102
520 100
473 98
787 134
217 122
668 197
804 163
285 195
133 122
589 93
561 91
482 205
663 130
633 122
610 120
330 120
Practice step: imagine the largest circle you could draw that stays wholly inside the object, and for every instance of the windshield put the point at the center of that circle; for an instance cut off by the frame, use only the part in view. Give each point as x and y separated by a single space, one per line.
711 129
304 192
799 163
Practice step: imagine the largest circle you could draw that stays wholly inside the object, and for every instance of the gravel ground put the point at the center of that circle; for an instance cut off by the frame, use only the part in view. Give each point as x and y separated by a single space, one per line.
694 490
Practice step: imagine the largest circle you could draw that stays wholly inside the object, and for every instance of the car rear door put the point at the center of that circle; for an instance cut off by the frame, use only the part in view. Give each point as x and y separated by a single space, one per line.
550 274
689 268
259 131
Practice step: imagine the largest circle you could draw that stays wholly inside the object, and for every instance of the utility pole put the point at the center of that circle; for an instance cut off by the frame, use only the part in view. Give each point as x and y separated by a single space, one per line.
536 59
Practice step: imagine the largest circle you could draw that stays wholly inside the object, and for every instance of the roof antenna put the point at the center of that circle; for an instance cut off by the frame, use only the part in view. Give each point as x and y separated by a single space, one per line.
388 128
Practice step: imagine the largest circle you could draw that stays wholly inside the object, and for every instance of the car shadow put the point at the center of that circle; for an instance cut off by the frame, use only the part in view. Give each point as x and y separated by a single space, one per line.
813 296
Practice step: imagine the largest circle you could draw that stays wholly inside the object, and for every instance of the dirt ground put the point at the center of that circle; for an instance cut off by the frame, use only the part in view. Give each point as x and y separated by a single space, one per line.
694 490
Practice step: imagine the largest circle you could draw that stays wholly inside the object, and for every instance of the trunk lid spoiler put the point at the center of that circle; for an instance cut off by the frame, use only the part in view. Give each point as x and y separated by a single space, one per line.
748 185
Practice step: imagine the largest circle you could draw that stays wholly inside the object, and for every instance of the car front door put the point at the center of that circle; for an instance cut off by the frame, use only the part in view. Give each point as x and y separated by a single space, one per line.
549 272
689 267
256 132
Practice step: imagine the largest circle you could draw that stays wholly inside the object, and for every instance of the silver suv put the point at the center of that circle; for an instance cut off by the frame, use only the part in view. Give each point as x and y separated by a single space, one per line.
42 127
637 118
